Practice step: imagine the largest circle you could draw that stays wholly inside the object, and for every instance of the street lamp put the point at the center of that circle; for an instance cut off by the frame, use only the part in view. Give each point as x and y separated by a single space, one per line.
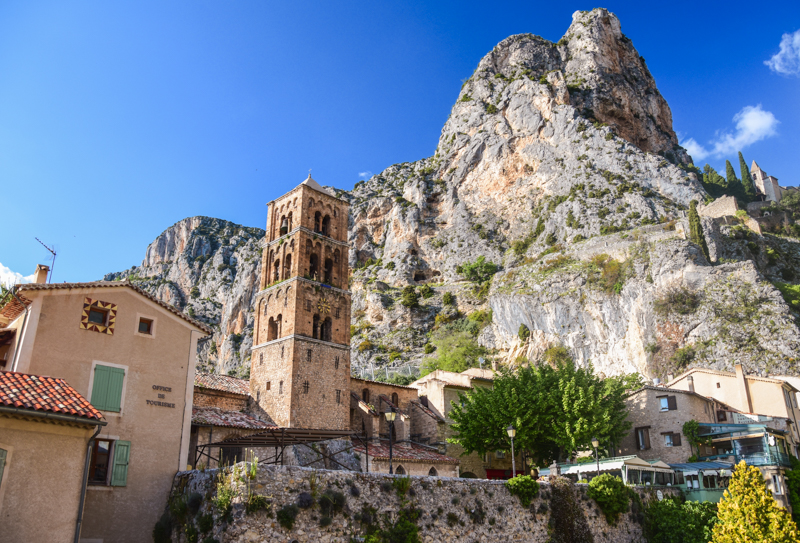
511 433
595 444
390 419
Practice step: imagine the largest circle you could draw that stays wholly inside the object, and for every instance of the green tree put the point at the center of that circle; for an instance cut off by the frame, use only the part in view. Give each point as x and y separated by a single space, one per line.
556 411
748 512
479 271
713 182
734 185
793 485
670 521
748 187
696 228
456 351
410 298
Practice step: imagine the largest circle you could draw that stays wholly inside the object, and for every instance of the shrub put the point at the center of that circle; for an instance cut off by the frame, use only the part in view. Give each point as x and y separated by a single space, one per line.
491 108
524 488
426 291
429 348
401 485
195 292
305 500
205 523
678 299
287 515
791 293
607 273
194 502
683 356
365 345
551 238
255 502
479 271
325 521
670 521
524 332
223 500
331 502
483 317
452 519
611 495
410 298
449 298
748 512
390 265
162 532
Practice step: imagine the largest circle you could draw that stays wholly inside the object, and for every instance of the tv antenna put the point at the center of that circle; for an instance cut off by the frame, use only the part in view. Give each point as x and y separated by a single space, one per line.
53 252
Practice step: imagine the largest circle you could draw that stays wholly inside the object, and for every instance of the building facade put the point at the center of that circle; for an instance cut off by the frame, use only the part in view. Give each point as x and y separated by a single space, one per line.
133 357
300 366
767 187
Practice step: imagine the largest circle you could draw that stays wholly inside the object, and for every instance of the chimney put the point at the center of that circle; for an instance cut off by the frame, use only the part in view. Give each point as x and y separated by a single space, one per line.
670 377
40 275
656 381
690 380
744 393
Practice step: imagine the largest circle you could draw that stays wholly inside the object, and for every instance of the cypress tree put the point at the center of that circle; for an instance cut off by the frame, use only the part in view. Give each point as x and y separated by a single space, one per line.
696 228
747 180
713 182
734 185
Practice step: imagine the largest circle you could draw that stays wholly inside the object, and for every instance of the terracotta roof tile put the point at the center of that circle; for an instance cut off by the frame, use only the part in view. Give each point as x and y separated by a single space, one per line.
407 452
214 416
40 393
111 284
12 308
225 383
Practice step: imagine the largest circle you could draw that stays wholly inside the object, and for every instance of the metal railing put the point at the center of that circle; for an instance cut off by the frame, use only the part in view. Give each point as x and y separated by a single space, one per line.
755 459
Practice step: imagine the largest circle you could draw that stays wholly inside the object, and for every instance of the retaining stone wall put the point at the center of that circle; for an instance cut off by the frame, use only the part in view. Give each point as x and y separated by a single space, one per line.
452 510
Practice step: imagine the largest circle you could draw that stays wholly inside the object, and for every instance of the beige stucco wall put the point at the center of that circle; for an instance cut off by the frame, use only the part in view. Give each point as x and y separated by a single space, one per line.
38 503
159 436
644 409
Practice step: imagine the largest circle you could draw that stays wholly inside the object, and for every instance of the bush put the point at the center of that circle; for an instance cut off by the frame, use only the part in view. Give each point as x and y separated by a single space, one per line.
390 265
791 293
331 502
287 515
194 502
607 273
305 500
479 271
255 502
524 332
205 523
426 291
410 298
684 356
365 345
162 532
748 512
483 317
524 488
670 521
429 348
449 298
401 485
611 495
677 299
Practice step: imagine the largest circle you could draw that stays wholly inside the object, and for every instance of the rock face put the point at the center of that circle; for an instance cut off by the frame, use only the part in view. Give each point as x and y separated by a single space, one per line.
554 155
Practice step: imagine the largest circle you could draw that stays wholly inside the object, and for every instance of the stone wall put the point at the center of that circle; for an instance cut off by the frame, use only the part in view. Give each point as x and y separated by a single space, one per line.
206 397
451 510
721 207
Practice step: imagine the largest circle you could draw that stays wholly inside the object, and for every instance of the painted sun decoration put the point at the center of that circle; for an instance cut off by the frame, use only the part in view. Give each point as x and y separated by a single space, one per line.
98 316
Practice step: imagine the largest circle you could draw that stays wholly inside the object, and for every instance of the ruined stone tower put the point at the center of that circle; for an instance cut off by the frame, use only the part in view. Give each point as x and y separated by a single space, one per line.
300 366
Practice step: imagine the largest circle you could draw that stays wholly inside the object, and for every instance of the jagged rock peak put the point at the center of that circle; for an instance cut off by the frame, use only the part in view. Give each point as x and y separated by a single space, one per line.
596 69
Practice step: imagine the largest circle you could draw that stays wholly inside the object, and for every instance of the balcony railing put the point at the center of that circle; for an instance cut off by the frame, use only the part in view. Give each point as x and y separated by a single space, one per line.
755 459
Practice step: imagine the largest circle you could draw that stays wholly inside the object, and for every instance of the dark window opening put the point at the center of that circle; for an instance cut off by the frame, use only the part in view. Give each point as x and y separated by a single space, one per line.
261 358
98 316
276 270
230 455
365 395
336 363
338 396
643 438
269 384
722 416
145 326
101 460
395 399
305 387
272 329
326 226
315 327
287 266
313 267
284 226
318 222
423 400
336 313
280 387
328 271
326 329
400 470
308 355
433 473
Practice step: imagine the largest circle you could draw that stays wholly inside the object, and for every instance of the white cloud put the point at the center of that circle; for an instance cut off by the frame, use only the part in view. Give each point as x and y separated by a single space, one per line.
10 278
365 175
787 60
752 124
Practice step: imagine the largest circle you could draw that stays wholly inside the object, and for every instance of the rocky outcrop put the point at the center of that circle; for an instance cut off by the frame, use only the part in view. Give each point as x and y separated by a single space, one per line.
554 155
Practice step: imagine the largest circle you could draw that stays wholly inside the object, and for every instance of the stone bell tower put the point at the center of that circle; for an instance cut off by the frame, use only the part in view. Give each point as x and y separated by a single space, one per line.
300 365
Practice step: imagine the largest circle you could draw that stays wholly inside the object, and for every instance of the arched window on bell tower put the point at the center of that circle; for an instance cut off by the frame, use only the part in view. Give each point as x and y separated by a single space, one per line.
315 332
318 222
272 332
287 266
279 322
313 266
327 329
276 270
328 276
326 226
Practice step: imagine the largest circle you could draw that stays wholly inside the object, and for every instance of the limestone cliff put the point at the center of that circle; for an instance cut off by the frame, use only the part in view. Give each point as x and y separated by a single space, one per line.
554 155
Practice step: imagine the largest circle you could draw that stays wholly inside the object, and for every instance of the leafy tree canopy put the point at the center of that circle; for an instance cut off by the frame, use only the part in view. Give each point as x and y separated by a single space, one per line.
479 271
557 410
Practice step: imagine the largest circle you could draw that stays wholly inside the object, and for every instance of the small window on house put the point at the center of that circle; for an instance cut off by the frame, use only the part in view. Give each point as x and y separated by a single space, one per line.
395 399
98 316
338 396
3 454
261 358
423 400
336 363
107 387
400 470
433 473
500 454
269 385
643 438
308 355
145 326
668 403
672 439
776 485
305 387
718 385
365 395
109 463
280 387
101 459
722 416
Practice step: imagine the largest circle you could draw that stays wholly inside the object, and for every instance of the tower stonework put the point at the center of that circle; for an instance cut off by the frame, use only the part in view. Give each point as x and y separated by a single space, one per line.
300 364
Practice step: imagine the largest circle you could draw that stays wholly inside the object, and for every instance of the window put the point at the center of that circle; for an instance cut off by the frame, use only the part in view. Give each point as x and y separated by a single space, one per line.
98 316
668 403
709 481
718 385
261 358
336 313
365 395
500 454
423 400
269 385
395 399
338 396
109 462
305 387
308 355
308 305
3 454
336 363
280 387
643 438
722 416
671 439
230 455
433 473
400 470
107 388
145 326
776 485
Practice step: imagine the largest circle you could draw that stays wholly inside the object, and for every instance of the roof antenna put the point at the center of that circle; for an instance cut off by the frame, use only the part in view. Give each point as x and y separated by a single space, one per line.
53 264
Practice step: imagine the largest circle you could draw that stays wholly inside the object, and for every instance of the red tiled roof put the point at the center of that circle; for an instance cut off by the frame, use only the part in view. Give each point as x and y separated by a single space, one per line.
112 284
214 416
39 393
225 383
407 452
12 308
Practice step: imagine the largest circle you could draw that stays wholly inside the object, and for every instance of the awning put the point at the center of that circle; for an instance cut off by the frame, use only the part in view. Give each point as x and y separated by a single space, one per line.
710 472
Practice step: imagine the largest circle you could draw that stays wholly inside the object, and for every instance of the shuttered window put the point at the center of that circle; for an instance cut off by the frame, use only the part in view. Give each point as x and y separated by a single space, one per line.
3 454
122 453
107 388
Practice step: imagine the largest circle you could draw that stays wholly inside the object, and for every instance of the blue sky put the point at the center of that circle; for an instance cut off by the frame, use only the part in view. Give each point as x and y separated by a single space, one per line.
118 119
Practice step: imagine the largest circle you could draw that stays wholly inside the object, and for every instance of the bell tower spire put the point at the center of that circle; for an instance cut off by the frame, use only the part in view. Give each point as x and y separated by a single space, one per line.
300 364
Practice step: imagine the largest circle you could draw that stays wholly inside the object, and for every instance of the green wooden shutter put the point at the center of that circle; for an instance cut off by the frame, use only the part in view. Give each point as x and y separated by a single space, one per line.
107 388
122 452
2 463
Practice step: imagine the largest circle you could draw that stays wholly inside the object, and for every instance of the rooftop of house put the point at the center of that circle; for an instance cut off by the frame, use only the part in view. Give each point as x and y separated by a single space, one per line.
427 411
452 379
382 383
405 452
728 374
12 303
666 390
224 383
693 466
214 416
44 394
